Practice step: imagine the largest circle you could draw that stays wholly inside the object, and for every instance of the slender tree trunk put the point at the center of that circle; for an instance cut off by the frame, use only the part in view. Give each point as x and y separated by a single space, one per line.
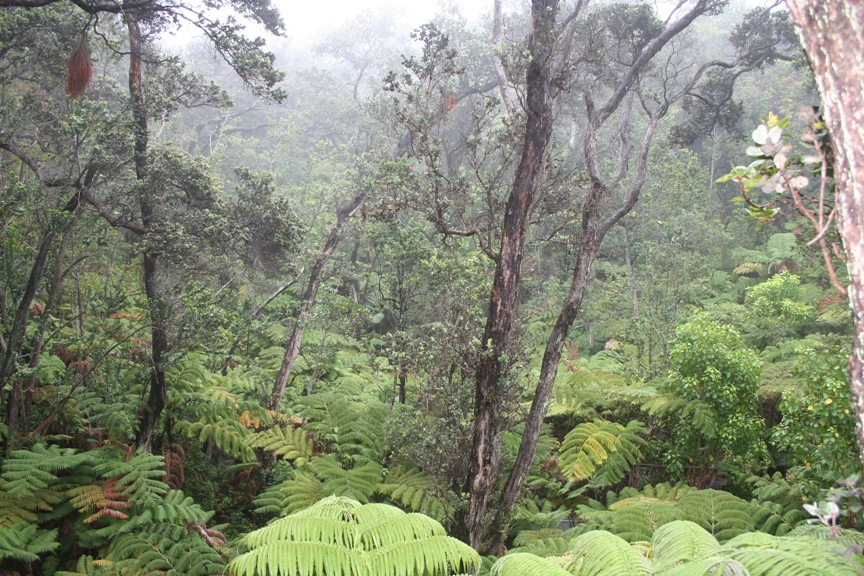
832 33
634 294
292 349
489 423
54 291
158 394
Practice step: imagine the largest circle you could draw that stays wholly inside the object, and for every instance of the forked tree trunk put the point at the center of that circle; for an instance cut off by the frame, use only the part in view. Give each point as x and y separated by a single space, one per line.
485 456
832 33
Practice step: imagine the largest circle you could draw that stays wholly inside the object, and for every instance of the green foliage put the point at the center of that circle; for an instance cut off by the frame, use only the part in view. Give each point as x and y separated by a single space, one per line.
601 451
600 552
683 548
517 564
342 536
709 368
818 427
292 444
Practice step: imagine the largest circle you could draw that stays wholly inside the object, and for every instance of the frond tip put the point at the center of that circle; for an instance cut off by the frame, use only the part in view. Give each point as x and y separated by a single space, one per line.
339 536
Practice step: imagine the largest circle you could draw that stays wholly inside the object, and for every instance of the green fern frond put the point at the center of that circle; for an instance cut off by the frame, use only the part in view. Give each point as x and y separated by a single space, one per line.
339 536
138 477
228 435
720 513
694 412
84 567
28 471
681 541
292 444
639 521
603 553
174 508
25 542
171 550
359 482
412 488
768 555
519 564
601 448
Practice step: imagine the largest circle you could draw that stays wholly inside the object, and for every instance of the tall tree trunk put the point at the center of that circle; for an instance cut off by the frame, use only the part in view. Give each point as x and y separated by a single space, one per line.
53 292
489 423
158 394
292 349
832 33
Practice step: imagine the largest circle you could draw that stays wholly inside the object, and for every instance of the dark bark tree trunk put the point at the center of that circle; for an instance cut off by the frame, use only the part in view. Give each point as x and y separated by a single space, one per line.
594 228
158 394
292 349
53 292
489 424
832 33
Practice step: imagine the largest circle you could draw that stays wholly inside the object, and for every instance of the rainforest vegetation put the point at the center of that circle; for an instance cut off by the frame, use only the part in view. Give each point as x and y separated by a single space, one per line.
559 290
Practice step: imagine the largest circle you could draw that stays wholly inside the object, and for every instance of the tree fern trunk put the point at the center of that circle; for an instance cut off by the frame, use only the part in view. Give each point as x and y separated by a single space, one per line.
832 33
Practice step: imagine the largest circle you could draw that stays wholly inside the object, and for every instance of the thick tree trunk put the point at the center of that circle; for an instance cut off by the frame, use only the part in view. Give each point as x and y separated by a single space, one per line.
489 424
292 349
832 33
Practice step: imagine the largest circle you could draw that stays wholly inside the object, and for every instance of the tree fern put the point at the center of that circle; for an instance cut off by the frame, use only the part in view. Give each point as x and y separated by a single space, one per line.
359 482
768 555
230 436
413 489
300 492
720 513
776 508
346 419
602 450
600 552
681 541
168 550
291 444
25 542
340 536
519 564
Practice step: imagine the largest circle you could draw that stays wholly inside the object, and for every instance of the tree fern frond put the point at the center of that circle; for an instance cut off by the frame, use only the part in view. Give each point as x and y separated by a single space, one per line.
340 536
25 542
768 555
518 564
412 488
680 541
358 483
230 436
136 478
599 552
590 446
720 513
27 471
292 444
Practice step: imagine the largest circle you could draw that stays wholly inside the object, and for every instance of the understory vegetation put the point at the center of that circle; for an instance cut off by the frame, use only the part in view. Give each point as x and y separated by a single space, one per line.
245 309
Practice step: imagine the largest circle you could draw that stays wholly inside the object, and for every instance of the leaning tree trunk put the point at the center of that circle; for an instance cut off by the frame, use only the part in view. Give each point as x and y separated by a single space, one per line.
832 33
489 422
292 349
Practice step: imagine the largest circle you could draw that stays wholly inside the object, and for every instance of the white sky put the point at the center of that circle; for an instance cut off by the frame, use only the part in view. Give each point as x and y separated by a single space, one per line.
304 19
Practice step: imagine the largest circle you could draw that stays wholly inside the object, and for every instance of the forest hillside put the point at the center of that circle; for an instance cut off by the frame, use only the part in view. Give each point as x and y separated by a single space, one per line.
556 290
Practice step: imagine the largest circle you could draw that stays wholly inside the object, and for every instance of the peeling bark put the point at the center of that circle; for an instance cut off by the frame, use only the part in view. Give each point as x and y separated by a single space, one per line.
832 33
